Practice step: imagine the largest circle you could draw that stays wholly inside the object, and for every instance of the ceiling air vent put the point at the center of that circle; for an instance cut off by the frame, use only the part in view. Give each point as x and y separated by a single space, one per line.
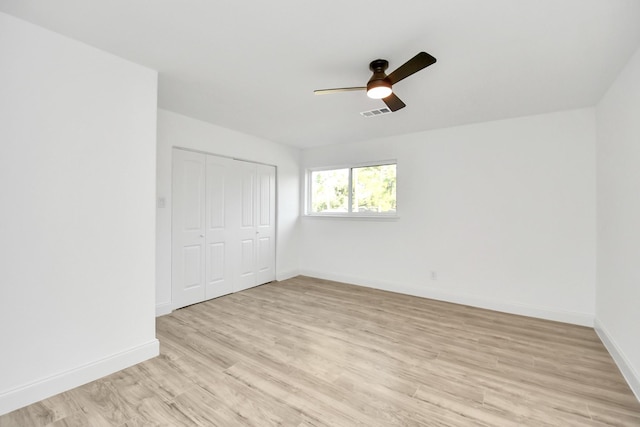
374 113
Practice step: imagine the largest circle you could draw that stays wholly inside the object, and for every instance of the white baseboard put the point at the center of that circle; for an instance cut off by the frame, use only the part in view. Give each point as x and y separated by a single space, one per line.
284 275
163 309
50 386
576 318
628 372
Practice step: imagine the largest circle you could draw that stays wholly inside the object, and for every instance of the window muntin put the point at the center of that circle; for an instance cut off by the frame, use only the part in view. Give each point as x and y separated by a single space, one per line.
363 190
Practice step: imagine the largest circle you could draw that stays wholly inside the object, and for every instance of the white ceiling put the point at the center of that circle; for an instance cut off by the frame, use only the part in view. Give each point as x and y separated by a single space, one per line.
252 66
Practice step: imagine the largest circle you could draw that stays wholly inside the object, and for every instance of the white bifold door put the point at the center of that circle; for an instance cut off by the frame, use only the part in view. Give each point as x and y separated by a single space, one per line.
223 227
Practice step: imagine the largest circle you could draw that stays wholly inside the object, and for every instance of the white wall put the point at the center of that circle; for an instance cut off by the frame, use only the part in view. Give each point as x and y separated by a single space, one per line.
175 130
618 171
77 180
503 212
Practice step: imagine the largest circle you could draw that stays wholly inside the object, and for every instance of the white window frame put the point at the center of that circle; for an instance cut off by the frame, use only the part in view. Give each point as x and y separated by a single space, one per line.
349 214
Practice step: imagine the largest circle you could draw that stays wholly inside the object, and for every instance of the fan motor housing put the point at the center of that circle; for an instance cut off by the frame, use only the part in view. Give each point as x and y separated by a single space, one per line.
379 77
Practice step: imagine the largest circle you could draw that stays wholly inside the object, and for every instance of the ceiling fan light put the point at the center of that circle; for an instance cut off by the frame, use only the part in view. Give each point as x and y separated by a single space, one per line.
378 89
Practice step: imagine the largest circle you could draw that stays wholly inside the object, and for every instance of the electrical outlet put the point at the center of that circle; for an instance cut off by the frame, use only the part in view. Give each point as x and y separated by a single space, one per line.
434 275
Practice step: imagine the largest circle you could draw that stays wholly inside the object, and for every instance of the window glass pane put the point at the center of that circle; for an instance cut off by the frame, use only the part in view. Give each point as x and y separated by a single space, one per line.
374 189
330 191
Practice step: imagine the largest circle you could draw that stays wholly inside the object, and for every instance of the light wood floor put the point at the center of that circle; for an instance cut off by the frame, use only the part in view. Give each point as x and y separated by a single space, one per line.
307 352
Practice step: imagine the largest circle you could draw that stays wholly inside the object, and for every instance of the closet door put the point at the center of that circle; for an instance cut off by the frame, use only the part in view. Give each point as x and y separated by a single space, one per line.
188 228
256 229
223 228
266 227
220 195
246 276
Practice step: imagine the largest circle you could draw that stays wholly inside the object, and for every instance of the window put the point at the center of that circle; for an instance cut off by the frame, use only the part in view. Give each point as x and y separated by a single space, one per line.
353 191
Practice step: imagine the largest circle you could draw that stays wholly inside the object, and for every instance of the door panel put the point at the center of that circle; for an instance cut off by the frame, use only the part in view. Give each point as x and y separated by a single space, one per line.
188 272
264 254
191 267
246 258
192 171
219 270
266 229
248 195
216 261
264 199
246 230
216 181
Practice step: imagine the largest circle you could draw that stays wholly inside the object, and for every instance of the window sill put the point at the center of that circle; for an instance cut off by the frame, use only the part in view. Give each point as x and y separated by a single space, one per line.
353 217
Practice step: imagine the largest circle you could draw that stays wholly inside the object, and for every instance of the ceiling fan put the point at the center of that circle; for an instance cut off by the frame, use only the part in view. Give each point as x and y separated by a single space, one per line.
380 84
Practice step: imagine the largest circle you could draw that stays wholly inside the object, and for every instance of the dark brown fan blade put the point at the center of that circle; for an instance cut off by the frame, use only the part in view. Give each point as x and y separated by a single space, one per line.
336 90
415 64
393 102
